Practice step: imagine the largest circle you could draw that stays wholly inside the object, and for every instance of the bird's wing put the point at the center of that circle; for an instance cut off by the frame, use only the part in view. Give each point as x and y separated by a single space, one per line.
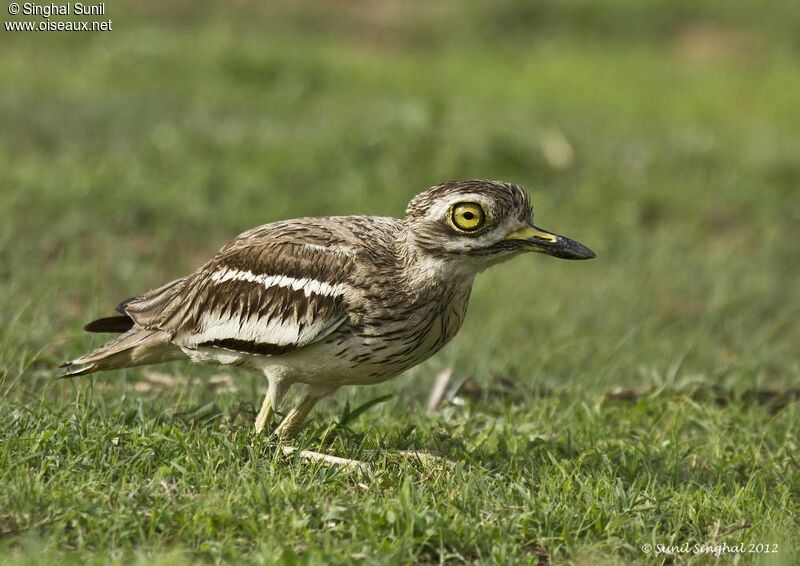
259 294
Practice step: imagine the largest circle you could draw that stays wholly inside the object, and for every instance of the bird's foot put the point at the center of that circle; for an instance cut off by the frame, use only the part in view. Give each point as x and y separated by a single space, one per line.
311 456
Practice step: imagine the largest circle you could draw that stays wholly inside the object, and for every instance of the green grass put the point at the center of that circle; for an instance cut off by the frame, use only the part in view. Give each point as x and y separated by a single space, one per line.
645 397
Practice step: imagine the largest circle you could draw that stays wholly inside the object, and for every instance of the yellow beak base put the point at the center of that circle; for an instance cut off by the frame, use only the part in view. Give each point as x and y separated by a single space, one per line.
537 240
531 233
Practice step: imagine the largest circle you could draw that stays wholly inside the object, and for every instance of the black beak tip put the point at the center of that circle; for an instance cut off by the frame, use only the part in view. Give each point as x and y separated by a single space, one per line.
588 254
570 249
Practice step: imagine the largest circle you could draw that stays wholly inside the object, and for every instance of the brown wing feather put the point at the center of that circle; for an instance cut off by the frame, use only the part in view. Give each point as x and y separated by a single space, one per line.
272 290
145 308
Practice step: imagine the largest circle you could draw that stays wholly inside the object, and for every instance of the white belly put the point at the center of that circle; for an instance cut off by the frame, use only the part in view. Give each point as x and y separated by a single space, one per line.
352 355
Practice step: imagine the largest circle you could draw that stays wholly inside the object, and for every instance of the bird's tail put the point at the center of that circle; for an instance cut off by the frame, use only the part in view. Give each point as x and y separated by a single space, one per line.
137 347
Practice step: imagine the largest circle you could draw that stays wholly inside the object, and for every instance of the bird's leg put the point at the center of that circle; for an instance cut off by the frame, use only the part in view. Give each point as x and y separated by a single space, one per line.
265 414
293 422
276 389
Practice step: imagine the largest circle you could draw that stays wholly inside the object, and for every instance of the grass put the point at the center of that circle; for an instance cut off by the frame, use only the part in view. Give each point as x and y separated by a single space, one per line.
642 398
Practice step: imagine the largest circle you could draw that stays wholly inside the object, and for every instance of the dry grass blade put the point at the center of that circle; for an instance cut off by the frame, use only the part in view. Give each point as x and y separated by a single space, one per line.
439 389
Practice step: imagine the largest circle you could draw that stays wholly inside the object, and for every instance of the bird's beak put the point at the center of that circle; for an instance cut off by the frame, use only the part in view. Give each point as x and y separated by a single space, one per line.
537 240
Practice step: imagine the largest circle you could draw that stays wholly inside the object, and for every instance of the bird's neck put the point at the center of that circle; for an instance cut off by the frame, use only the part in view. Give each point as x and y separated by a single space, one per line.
424 271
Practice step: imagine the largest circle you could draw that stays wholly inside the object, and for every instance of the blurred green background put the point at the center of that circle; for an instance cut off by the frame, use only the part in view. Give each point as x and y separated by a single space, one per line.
663 134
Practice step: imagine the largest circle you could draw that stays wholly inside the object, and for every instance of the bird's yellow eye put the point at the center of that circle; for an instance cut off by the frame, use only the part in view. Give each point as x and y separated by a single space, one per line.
467 216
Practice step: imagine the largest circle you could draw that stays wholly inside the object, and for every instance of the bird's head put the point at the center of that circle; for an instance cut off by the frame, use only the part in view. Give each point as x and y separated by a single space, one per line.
482 223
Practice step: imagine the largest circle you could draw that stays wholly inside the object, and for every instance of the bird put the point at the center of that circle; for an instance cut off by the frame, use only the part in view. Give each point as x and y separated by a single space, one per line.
330 301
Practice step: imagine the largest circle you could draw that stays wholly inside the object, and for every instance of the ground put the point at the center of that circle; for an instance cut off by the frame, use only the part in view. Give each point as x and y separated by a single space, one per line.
647 397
